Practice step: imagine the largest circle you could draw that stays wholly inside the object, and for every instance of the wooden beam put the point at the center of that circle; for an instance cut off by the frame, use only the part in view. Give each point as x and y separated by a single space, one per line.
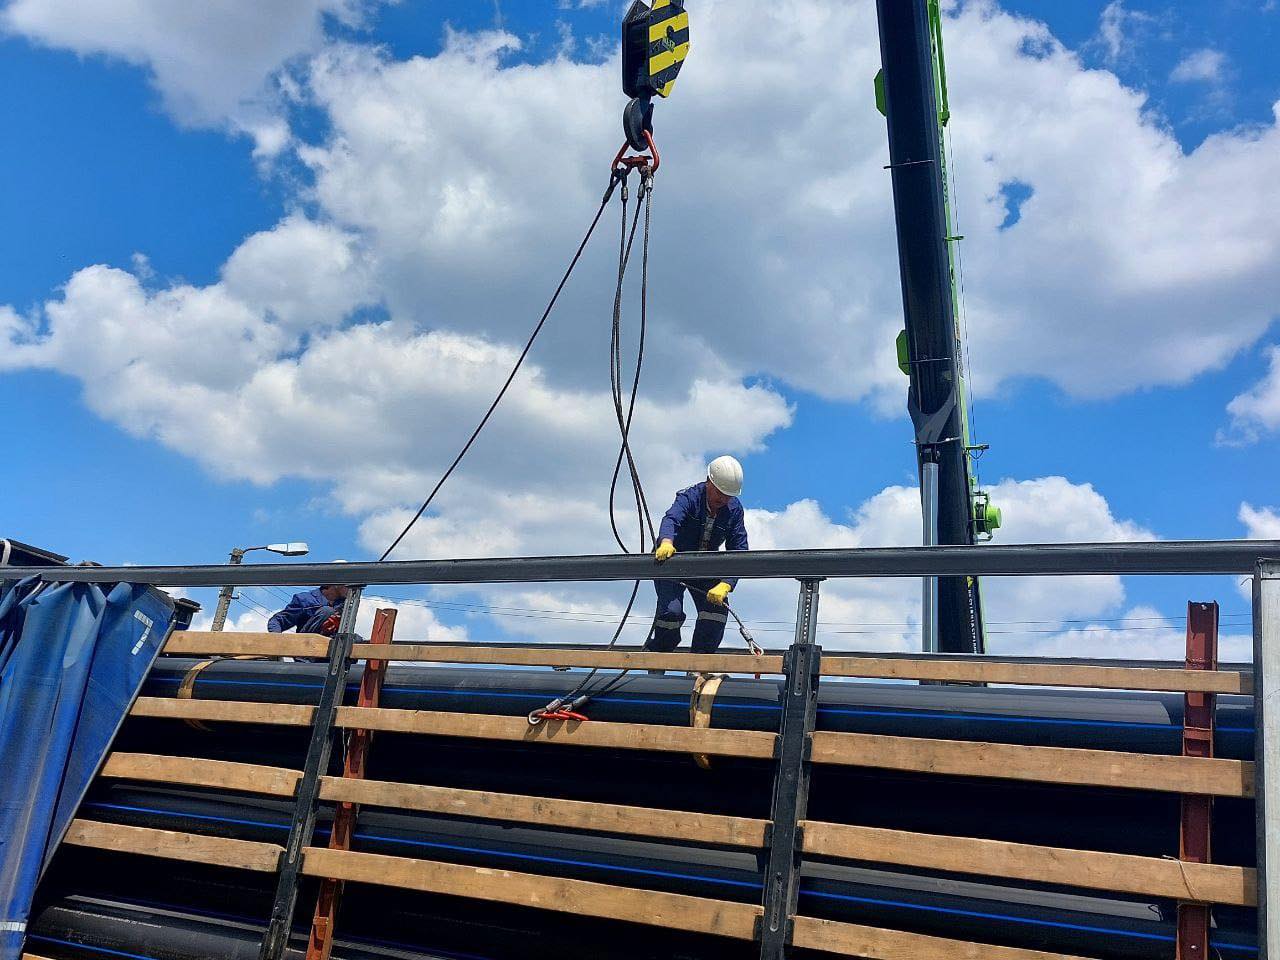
1063 765
704 828
201 642
1121 873
875 943
552 656
1039 674
624 736
191 847
229 711
194 772
583 898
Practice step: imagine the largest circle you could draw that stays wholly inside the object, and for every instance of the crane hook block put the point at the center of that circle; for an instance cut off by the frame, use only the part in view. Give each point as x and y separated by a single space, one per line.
655 42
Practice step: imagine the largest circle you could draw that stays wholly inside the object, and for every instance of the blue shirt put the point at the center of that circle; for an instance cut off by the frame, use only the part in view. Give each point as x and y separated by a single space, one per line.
301 608
686 523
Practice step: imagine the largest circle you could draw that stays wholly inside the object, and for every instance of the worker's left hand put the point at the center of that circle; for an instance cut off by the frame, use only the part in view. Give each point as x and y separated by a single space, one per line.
719 594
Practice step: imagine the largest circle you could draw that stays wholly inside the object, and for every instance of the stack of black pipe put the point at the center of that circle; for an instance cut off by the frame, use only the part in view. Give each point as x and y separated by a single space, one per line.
95 904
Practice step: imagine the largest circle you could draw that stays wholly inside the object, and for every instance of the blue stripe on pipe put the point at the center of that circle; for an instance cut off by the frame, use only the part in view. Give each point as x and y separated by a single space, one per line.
87 946
1218 944
641 871
208 818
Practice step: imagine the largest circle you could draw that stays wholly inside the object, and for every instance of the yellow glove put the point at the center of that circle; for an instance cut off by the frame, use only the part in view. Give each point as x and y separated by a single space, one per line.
666 550
719 594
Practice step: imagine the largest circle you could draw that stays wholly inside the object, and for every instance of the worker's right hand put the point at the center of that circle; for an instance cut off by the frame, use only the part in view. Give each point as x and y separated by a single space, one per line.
666 550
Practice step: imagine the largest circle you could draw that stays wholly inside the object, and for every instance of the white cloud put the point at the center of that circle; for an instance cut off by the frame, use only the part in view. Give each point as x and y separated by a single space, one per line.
884 614
1261 523
1167 238
211 62
1256 411
415 622
1200 66
1116 27
449 190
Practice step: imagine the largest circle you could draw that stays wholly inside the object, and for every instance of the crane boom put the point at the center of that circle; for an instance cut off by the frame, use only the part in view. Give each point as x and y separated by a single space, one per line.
911 92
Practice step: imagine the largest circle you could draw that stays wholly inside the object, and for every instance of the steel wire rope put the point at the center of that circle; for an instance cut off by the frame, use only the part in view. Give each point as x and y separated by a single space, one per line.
608 194
580 695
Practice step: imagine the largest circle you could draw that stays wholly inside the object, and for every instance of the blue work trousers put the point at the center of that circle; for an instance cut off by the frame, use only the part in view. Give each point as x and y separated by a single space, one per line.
708 631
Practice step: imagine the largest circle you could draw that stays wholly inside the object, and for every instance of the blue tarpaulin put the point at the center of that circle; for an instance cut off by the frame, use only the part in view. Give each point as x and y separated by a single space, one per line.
73 657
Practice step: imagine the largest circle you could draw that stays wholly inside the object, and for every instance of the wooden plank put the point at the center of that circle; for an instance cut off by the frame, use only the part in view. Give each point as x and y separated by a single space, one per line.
1039 674
1063 765
875 943
551 656
230 711
191 847
195 772
570 814
580 897
201 642
624 736
1121 873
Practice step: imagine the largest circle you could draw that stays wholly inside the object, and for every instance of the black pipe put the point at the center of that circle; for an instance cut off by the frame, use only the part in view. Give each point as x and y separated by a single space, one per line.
1028 915
1025 915
1122 821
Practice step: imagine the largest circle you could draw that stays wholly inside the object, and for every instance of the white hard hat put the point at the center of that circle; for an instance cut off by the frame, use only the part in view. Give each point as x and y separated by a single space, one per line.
725 474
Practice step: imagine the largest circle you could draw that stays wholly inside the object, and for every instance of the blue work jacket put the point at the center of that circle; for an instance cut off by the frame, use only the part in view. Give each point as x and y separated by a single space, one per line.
685 524
301 608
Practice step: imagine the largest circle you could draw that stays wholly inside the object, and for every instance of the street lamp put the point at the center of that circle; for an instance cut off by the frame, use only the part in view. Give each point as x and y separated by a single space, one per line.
292 549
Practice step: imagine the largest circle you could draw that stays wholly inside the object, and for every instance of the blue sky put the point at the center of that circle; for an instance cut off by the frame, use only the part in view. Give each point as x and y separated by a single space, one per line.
108 162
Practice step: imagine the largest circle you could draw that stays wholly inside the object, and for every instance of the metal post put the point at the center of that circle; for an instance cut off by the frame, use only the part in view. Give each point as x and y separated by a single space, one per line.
1195 834
226 594
1266 754
276 938
929 608
791 783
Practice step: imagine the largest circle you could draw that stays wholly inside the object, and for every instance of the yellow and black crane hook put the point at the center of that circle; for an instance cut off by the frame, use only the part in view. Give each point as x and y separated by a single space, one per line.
655 42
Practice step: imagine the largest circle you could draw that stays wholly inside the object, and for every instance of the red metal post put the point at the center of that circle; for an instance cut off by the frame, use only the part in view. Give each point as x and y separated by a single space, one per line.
1197 741
320 943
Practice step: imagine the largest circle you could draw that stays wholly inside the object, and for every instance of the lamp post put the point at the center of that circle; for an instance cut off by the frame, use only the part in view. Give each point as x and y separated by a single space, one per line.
225 596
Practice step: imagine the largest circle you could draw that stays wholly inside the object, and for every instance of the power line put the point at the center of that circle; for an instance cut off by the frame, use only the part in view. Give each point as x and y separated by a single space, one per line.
527 613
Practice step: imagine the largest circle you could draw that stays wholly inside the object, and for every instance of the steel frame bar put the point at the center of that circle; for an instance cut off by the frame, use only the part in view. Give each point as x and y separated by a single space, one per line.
275 939
1076 559
791 780
1266 693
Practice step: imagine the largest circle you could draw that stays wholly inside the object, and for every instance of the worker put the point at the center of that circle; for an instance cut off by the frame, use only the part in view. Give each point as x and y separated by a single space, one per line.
310 610
703 517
